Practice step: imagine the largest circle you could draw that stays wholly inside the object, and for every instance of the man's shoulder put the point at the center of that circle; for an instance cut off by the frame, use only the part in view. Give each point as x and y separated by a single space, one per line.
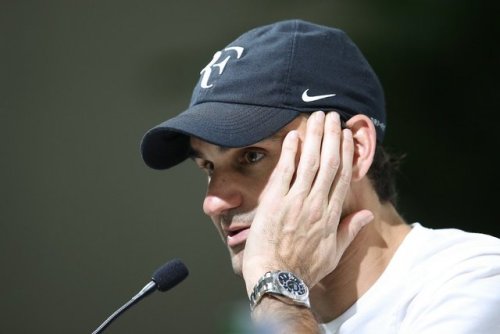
447 248
449 261
434 275
452 240
455 273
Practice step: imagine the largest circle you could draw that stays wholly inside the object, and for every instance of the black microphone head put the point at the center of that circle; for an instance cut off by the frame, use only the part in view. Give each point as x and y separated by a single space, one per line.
170 274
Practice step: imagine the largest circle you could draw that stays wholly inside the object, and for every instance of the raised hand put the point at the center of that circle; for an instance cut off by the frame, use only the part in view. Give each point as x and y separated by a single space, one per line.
299 224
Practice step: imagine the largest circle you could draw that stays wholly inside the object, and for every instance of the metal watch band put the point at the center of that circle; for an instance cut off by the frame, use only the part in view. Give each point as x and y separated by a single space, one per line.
269 284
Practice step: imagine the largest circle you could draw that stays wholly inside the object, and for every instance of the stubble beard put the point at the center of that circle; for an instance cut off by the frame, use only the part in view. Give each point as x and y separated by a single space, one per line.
236 253
236 256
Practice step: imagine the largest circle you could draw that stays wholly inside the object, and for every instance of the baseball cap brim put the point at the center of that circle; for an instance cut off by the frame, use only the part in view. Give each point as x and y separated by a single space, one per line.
222 124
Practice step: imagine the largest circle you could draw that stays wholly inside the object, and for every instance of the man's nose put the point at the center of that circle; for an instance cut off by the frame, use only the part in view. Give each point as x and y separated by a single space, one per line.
222 195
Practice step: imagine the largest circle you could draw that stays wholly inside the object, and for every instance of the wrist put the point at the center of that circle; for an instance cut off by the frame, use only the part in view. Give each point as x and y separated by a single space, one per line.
274 316
253 272
251 281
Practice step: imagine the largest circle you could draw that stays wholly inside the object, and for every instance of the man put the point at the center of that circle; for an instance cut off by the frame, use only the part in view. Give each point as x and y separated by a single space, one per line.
287 122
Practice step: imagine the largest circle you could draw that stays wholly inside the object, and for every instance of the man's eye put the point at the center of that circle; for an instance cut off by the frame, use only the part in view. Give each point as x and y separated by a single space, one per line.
209 168
253 156
205 166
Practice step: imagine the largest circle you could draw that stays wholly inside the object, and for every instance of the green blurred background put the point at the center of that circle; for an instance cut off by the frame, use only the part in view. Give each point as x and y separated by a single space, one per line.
84 222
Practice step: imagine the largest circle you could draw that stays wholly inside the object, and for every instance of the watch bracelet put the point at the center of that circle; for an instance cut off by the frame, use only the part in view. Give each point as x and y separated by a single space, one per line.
259 291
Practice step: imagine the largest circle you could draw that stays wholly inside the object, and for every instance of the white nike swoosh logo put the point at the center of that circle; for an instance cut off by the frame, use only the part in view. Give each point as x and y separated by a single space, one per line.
307 98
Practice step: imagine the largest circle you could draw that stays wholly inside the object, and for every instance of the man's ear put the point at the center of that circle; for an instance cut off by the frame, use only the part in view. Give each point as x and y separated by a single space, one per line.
365 141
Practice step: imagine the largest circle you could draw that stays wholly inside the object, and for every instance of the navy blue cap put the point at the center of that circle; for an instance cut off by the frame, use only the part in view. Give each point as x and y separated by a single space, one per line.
263 80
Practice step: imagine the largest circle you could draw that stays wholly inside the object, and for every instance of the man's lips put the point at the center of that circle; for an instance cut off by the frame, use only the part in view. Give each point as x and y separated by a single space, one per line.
237 235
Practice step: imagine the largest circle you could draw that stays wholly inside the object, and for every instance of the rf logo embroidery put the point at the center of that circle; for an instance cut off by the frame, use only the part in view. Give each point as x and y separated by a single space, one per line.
207 70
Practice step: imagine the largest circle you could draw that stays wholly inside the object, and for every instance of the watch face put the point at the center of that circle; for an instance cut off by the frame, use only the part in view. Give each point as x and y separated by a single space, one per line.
291 284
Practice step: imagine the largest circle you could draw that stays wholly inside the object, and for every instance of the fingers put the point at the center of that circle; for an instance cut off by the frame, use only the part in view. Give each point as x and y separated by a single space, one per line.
310 156
326 158
283 173
325 164
330 154
342 180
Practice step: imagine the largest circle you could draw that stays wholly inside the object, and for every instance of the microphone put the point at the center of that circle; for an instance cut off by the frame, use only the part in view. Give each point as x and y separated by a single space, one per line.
164 278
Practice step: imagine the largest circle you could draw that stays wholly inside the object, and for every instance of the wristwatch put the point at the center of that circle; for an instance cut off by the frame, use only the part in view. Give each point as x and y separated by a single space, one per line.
282 285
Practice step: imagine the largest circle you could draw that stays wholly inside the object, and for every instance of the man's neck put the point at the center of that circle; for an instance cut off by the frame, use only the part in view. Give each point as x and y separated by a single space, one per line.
361 265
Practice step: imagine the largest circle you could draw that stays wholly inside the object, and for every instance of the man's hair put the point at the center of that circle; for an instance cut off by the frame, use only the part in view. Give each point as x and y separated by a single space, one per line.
382 174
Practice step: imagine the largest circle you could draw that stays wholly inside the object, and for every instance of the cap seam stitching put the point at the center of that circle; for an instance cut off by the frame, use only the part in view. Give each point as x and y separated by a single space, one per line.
290 60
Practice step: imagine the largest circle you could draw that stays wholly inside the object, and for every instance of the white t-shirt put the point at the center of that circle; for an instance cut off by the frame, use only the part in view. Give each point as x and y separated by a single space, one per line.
438 282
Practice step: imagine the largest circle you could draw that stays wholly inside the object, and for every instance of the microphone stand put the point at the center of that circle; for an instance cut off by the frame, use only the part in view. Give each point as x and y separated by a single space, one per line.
148 289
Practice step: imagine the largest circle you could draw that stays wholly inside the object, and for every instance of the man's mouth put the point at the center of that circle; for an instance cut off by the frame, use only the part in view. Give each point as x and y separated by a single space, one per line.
238 236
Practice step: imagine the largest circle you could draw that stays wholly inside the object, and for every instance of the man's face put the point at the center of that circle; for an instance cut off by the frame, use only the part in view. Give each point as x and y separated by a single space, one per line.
236 178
